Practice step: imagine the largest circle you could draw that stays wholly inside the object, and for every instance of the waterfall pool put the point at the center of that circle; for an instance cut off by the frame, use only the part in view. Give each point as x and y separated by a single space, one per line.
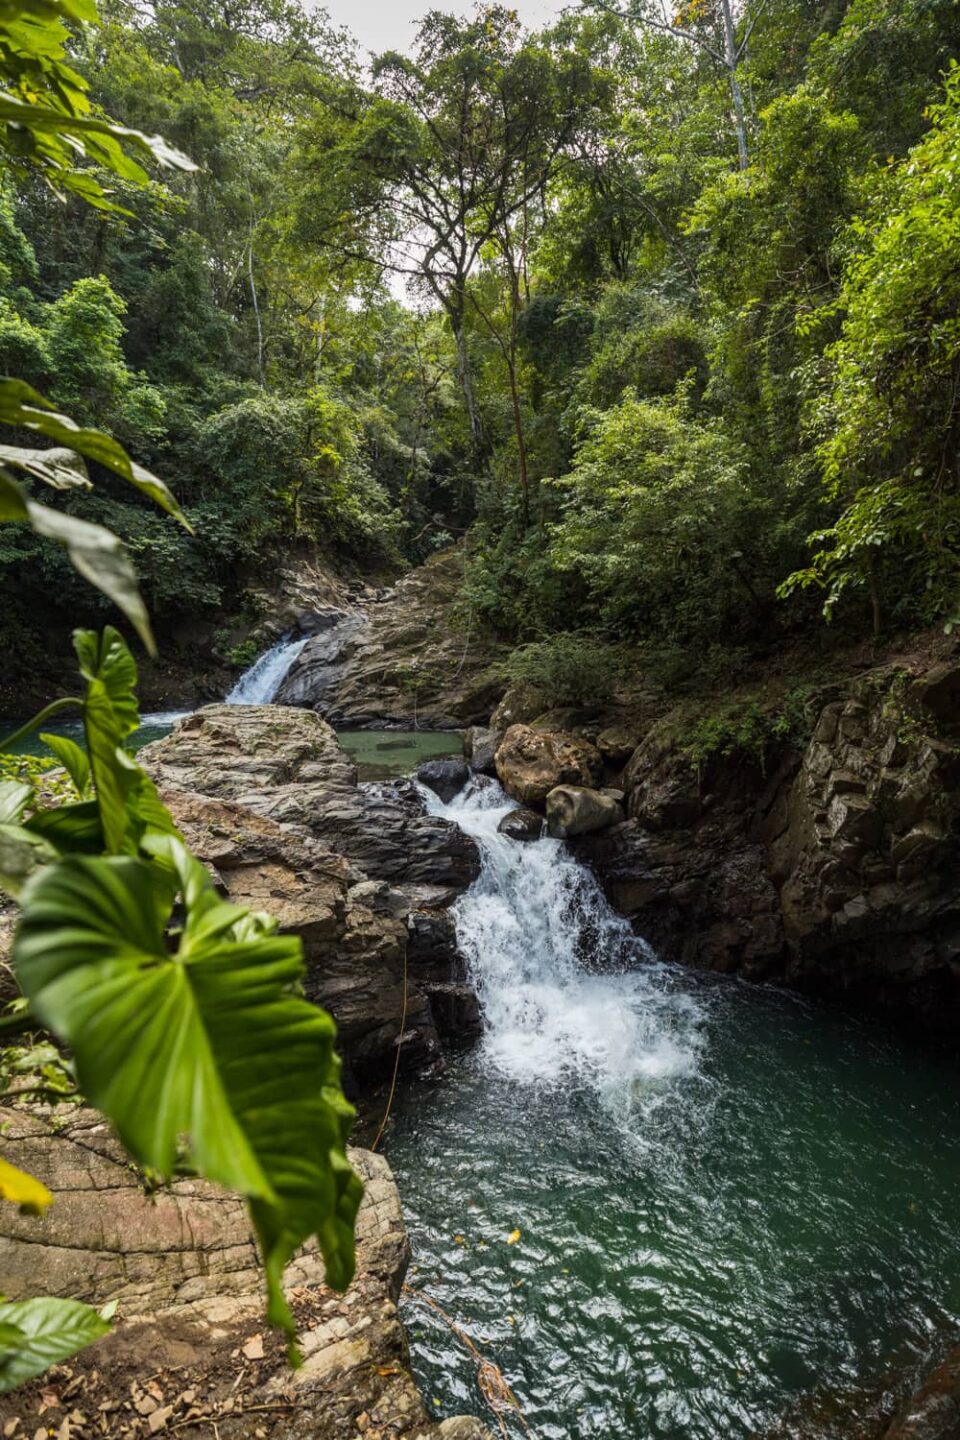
727 1199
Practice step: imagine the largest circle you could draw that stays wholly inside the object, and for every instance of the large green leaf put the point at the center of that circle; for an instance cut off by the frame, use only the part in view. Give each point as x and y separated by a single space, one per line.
58 467
110 716
72 758
206 1042
24 407
35 1334
95 552
70 829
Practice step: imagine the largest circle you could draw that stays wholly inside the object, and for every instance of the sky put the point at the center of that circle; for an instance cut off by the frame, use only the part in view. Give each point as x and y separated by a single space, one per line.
392 24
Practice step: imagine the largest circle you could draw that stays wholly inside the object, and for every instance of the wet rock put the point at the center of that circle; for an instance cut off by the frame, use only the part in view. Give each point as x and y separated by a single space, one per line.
354 935
282 822
522 824
531 763
933 1413
446 778
480 747
406 660
576 810
183 1265
835 869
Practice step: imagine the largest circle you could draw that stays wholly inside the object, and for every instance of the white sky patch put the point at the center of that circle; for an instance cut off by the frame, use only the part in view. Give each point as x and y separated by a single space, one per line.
392 24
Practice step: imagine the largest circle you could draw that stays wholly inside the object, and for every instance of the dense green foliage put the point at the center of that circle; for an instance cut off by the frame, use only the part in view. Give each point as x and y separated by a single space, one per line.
656 382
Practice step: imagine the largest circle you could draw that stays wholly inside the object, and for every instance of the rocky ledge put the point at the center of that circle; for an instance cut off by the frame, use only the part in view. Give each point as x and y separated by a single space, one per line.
405 661
266 797
189 1353
831 866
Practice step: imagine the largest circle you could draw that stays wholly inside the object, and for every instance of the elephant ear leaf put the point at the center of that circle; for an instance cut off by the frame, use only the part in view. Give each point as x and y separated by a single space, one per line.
14 799
205 1044
35 1334
72 758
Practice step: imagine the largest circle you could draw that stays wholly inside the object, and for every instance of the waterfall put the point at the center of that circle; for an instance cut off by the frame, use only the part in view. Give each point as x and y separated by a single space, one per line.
259 684
568 990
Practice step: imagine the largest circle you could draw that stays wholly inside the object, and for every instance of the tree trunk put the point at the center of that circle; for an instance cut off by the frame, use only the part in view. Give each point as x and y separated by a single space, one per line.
521 445
256 311
739 112
465 376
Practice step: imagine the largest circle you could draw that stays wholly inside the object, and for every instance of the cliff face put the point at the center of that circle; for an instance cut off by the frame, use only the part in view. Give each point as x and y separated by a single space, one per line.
834 870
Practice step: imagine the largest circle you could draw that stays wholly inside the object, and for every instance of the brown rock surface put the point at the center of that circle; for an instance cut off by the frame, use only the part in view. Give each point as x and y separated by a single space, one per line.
190 1350
531 763
409 663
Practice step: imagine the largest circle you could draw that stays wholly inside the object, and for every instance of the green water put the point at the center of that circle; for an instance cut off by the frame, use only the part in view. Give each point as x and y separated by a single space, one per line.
382 754
378 754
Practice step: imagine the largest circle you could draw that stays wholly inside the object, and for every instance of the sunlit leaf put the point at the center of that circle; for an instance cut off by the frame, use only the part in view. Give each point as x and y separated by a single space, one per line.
22 1189
49 1331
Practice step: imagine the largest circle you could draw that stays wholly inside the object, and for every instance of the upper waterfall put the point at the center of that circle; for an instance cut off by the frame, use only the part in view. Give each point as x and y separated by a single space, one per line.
259 684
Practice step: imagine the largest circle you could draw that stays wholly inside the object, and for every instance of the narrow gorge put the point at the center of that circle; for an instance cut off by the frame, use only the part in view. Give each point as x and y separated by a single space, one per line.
659 1201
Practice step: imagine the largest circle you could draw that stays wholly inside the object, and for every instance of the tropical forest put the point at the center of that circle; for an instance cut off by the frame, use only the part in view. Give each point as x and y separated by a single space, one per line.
480 739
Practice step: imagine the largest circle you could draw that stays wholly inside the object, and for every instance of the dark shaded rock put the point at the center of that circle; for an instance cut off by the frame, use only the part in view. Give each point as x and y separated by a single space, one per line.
576 810
531 763
446 778
480 746
835 870
522 824
933 1413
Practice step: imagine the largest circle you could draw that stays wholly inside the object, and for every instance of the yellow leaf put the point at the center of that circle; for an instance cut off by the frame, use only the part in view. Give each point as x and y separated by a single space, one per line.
513 1237
23 1190
459 1240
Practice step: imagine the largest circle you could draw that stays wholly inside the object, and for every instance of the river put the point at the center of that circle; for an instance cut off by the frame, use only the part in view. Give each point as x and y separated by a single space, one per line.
726 1198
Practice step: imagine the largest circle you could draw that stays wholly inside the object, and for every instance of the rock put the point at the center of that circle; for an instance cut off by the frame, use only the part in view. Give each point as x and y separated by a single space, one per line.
286 828
530 763
480 746
576 810
836 870
405 660
618 742
286 764
522 824
183 1266
446 778
933 1413
937 692
354 936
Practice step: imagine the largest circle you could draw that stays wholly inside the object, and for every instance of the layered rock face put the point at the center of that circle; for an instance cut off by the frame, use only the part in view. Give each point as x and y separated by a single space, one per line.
266 797
183 1266
404 661
836 871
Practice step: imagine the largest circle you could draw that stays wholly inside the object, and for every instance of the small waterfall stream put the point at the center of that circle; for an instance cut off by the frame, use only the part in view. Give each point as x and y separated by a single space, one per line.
667 1205
259 684
567 988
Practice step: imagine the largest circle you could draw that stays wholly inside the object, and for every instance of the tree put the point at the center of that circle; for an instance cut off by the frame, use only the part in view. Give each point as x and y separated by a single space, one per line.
451 150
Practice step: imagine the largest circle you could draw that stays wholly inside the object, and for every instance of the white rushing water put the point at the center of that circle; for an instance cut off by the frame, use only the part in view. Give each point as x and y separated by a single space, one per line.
568 991
259 684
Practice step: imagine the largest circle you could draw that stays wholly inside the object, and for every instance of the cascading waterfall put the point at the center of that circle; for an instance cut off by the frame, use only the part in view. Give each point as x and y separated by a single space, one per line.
259 684
667 1205
568 990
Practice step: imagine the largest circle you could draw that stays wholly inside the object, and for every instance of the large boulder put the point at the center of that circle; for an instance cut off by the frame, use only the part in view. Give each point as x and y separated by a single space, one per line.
480 745
281 820
190 1350
354 937
446 778
531 763
577 810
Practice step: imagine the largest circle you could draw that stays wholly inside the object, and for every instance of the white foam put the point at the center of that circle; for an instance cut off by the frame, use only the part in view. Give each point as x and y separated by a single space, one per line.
568 991
259 684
